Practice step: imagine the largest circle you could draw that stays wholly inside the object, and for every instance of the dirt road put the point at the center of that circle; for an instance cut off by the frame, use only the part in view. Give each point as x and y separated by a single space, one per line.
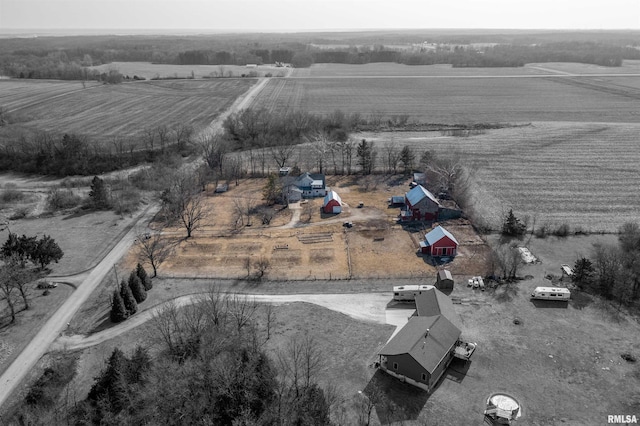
58 321
361 306
241 103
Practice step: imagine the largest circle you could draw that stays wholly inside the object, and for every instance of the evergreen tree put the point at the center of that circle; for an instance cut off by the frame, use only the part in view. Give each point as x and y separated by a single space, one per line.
139 365
138 291
111 384
512 226
99 195
270 190
583 273
407 158
144 278
127 297
118 311
366 156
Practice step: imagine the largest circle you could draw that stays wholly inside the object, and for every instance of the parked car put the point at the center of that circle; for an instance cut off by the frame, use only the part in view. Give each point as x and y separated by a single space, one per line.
44 284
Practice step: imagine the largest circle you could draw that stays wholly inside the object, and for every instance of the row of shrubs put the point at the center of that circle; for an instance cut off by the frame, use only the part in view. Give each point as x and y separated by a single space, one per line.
126 297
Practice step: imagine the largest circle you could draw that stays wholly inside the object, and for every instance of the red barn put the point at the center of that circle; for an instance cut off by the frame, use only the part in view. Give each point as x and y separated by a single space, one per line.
439 242
420 204
332 203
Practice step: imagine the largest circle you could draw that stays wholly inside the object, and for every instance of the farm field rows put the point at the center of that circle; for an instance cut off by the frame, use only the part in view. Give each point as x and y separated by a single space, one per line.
22 93
582 174
453 100
127 109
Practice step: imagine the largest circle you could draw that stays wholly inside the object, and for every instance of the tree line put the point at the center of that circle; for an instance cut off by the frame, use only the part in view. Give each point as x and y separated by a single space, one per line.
72 154
69 57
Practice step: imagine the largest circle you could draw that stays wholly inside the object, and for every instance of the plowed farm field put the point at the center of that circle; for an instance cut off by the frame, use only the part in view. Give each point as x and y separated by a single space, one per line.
582 174
441 94
105 111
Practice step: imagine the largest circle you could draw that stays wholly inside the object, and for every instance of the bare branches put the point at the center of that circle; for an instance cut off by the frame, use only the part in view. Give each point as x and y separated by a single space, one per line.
184 203
153 248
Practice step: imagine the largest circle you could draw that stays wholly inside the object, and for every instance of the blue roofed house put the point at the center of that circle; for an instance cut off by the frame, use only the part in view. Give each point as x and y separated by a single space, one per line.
421 351
311 184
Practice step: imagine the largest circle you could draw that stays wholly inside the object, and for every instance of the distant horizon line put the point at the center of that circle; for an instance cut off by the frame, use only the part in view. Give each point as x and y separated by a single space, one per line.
32 32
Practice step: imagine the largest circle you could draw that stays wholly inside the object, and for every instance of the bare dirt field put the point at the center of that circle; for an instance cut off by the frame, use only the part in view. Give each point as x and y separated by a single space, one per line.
127 109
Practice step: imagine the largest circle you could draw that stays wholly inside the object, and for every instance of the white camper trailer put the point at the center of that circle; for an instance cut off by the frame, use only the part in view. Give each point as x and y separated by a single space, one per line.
408 292
551 293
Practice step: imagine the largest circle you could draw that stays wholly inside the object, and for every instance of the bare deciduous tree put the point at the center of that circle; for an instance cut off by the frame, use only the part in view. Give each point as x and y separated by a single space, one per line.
270 318
282 153
182 134
262 266
241 309
214 148
184 203
155 249
243 208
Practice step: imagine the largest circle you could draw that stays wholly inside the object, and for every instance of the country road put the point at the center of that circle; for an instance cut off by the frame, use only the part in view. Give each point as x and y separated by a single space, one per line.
369 307
58 321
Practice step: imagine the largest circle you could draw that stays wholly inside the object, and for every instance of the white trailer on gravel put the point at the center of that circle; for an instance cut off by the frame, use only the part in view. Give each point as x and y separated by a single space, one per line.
405 293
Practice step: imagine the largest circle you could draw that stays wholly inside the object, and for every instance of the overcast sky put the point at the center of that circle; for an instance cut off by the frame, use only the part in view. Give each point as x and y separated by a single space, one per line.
288 15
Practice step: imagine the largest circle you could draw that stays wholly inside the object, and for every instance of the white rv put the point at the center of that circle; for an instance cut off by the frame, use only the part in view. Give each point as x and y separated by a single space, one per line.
408 292
551 293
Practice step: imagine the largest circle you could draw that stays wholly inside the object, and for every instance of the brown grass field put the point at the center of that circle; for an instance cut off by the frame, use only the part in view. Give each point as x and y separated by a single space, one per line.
127 109
321 249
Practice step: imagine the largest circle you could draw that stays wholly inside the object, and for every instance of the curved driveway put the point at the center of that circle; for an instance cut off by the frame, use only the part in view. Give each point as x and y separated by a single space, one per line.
361 306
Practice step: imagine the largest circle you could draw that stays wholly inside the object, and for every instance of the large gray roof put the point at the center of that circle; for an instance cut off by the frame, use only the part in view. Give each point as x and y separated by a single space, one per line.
425 339
434 302
418 193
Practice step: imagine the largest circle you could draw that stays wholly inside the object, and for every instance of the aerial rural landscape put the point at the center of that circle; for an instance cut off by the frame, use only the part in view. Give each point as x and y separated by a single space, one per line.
407 227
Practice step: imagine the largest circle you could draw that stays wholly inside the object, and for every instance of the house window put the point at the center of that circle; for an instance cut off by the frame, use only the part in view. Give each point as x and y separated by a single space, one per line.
424 377
395 365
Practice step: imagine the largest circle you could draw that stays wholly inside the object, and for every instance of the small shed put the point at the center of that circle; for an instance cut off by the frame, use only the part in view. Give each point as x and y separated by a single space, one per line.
396 200
444 280
332 203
